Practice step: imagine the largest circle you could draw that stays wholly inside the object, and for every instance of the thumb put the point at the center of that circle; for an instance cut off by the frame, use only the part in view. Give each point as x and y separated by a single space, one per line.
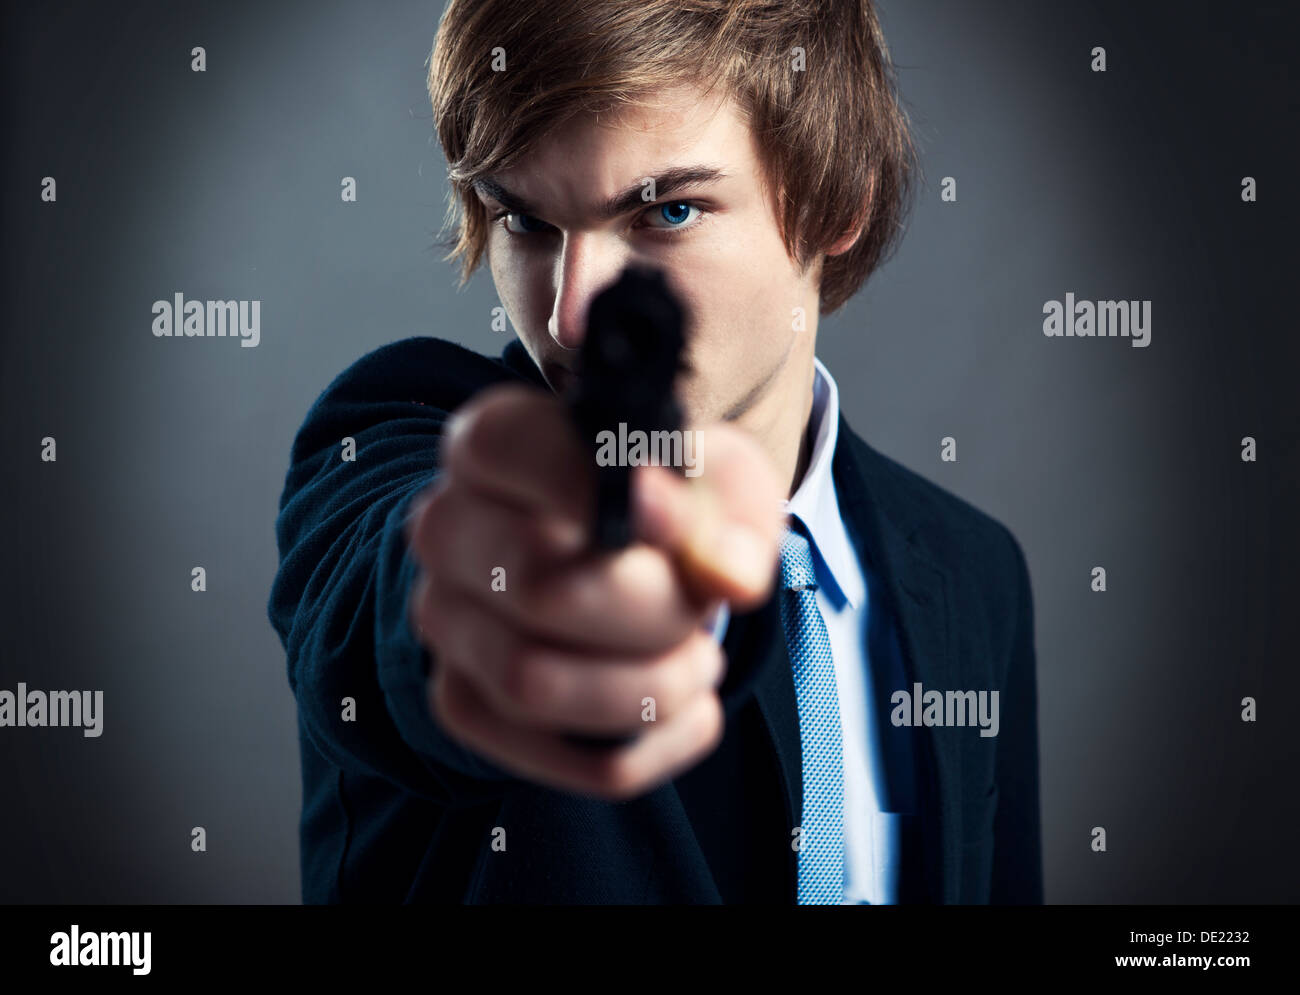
718 555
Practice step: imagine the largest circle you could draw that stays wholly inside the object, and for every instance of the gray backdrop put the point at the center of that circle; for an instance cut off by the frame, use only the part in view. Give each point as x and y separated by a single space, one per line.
225 184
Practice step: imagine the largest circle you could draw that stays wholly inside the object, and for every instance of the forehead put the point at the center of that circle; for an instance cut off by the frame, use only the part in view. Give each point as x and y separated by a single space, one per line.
609 150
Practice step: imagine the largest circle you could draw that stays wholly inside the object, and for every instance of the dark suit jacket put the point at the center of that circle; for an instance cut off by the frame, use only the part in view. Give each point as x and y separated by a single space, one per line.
395 811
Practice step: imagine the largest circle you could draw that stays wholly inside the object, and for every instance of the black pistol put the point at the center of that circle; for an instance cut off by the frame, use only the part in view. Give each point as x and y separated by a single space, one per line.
627 364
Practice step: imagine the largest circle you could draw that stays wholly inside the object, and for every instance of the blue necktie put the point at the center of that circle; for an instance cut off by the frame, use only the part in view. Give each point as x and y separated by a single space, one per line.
821 848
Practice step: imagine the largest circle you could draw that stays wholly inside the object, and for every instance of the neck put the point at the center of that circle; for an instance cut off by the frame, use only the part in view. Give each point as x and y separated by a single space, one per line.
805 453
784 437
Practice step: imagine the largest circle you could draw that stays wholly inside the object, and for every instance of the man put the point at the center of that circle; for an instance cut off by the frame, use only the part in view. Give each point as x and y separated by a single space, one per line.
447 628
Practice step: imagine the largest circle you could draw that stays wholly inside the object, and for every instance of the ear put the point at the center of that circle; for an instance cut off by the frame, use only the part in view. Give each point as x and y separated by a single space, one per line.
850 237
845 243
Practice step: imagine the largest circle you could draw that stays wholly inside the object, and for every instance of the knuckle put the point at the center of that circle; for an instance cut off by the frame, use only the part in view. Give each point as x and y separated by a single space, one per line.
685 672
456 441
674 681
416 512
426 613
434 522
712 727
531 534
475 428
531 597
441 707
446 515
713 664
479 427
524 680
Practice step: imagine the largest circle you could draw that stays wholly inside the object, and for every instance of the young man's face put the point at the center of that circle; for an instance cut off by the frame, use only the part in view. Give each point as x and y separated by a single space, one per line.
717 240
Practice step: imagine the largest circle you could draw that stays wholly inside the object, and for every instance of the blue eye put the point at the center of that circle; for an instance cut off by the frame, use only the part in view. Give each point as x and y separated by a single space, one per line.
676 213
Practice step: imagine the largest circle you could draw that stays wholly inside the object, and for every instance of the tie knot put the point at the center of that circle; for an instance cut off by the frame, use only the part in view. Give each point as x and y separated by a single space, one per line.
796 559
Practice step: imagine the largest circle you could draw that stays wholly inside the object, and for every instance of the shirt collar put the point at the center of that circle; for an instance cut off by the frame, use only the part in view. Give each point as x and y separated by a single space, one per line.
815 501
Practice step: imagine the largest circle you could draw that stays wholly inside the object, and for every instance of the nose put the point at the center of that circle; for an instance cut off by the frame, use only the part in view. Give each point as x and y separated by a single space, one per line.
585 266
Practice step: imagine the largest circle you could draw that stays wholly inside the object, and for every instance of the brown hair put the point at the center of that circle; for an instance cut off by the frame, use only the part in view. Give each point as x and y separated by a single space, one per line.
830 137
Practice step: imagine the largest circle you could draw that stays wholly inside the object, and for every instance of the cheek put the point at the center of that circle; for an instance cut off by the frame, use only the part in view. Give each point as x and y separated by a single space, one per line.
746 281
741 332
746 295
521 292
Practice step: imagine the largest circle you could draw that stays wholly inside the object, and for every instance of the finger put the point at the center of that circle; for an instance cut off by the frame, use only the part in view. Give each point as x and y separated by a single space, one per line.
723 527
474 541
549 687
519 444
632 601
615 774
532 571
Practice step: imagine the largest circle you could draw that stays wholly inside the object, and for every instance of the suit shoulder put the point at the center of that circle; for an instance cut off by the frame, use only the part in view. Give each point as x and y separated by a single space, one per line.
421 369
950 529
408 386
982 558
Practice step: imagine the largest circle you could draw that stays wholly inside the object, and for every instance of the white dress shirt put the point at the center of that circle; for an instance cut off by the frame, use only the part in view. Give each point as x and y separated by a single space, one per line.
870 835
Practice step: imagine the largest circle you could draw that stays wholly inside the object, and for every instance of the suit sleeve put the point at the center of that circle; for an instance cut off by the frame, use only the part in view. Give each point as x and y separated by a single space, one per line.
1017 856
339 598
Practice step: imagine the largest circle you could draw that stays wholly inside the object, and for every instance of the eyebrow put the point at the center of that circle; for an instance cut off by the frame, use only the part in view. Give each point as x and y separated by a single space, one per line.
668 182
